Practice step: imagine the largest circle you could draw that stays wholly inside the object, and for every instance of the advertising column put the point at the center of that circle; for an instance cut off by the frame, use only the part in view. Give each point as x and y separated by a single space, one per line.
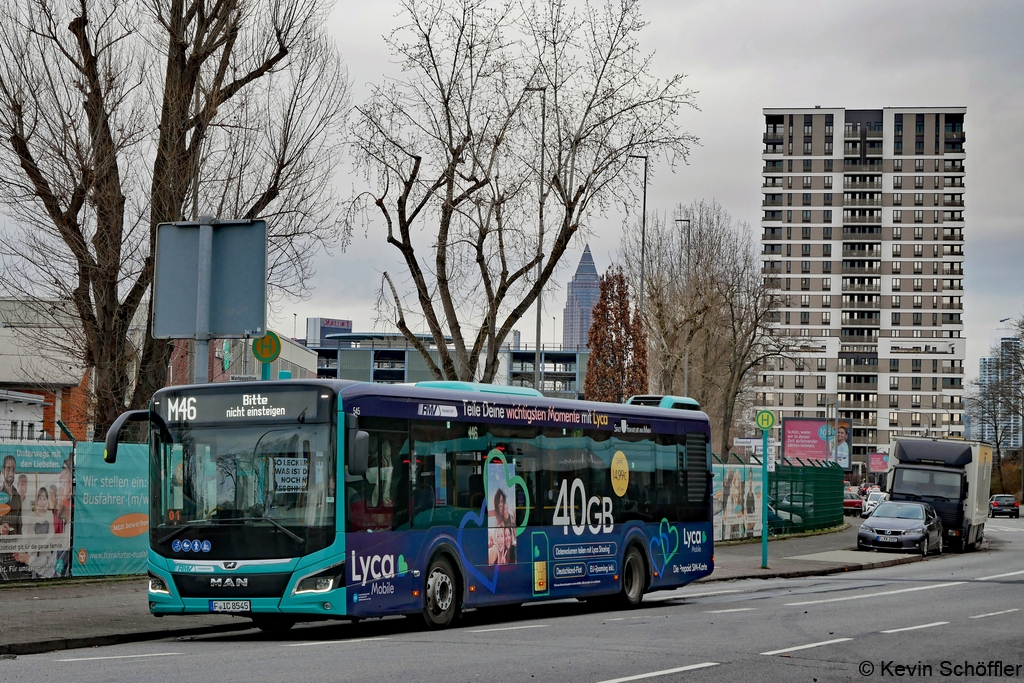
35 511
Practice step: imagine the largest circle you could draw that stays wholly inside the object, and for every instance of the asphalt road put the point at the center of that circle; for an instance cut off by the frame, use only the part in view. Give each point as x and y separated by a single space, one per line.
957 609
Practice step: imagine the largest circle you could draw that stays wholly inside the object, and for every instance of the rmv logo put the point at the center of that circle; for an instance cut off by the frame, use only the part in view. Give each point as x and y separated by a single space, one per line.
229 583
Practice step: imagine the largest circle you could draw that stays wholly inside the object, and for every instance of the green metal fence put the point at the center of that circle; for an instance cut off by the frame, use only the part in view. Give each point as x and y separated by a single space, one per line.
805 495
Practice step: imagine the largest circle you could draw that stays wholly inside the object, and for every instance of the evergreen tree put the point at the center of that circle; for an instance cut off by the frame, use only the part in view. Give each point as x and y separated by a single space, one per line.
617 368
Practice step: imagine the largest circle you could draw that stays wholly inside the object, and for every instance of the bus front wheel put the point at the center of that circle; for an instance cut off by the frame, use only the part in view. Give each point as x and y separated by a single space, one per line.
633 580
441 599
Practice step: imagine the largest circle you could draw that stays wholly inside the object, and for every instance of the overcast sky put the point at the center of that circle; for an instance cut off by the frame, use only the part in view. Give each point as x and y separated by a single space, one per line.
742 56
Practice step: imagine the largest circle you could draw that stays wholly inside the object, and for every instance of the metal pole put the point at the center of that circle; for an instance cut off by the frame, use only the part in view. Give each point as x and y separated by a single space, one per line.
764 499
201 368
540 233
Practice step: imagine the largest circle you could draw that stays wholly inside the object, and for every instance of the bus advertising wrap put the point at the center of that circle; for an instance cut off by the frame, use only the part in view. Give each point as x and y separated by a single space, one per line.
111 511
817 439
35 511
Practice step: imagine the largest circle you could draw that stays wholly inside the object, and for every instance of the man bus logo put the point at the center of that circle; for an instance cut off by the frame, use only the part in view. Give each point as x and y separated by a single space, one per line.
229 583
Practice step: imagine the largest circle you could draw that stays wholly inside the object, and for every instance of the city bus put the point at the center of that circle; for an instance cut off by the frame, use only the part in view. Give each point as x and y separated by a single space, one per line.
301 500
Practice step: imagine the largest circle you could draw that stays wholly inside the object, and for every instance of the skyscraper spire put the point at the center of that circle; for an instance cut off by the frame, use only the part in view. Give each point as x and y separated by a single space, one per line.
583 292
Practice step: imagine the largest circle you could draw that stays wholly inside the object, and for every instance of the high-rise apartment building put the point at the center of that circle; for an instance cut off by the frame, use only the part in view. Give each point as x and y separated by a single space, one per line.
1006 345
863 233
583 292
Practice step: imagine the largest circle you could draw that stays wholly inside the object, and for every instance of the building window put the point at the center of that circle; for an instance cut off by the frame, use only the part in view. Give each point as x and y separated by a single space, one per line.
806 217
897 147
895 318
897 164
827 218
918 182
805 300
826 302
897 266
826 284
897 182
806 199
917 301
807 148
917 284
826 318
798 399
807 182
918 199
919 216
897 250
828 199
897 233
897 199
805 266
828 178
826 266
805 249
828 148
897 284
917 267
918 233
894 384
897 216
805 284
789 216
918 250
896 301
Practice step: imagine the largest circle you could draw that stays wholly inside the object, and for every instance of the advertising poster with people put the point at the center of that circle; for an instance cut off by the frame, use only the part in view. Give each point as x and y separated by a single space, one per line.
35 511
812 438
737 501
501 514
111 511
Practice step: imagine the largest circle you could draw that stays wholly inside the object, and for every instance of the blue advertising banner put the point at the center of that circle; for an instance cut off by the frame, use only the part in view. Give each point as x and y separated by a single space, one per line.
111 511
35 510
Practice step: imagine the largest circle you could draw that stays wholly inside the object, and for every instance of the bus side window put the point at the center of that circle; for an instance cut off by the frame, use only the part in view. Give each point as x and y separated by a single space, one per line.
694 468
668 484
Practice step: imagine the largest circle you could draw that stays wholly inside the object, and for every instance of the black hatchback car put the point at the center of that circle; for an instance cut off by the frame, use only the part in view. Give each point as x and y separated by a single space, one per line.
1003 505
901 525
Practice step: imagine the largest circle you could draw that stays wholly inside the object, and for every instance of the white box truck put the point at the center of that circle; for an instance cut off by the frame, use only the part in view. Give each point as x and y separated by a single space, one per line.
953 475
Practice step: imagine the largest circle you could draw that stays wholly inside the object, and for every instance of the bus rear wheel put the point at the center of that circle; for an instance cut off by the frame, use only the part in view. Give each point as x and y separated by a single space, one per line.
633 580
441 599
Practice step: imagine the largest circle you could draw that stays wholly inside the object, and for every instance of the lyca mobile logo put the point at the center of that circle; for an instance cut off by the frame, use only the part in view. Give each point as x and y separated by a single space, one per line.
694 539
377 567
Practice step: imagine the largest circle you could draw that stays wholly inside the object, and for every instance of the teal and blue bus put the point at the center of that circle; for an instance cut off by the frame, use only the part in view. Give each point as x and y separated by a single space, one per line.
301 500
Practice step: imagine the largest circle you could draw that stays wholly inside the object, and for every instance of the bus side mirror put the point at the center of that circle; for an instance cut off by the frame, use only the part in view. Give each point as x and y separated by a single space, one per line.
358 456
114 433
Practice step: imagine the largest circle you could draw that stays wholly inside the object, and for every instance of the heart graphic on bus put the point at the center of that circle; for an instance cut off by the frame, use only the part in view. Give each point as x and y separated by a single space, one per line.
667 542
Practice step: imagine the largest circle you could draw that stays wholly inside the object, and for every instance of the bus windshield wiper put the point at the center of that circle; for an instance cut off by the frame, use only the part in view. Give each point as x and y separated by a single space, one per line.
298 539
182 529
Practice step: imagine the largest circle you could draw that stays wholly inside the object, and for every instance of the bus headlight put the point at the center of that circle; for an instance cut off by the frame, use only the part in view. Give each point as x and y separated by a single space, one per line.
157 585
321 582
315 584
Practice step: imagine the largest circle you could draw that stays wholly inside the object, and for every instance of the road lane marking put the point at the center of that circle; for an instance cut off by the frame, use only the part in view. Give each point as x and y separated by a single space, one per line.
332 642
509 628
874 595
666 672
661 598
725 611
91 659
806 647
616 619
999 576
994 614
914 628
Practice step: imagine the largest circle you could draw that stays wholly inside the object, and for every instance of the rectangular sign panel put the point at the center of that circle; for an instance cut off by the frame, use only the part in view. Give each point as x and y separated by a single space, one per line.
878 462
111 511
239 406
238 279
35 511
817 439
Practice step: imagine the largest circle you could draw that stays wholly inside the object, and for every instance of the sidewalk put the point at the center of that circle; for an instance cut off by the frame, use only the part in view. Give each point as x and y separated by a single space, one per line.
88 613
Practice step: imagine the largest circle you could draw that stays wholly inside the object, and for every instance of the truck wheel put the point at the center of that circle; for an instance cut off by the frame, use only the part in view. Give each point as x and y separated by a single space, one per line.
441 599
633 580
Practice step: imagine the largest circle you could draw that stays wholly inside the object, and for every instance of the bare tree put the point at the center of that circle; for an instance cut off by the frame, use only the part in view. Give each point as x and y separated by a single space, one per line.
117 115
986 402
452 152
706 306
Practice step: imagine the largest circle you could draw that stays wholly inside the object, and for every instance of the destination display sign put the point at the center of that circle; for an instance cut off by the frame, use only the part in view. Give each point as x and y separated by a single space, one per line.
290 405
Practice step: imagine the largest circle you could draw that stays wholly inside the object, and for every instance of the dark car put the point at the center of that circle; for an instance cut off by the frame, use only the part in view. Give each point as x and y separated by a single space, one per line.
1003 505
852 503
901 525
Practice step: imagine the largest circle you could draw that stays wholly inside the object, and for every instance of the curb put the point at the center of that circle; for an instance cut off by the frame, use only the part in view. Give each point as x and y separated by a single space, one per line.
802 573
56 644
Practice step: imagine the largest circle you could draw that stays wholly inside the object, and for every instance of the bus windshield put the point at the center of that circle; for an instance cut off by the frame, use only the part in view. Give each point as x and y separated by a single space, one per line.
268 485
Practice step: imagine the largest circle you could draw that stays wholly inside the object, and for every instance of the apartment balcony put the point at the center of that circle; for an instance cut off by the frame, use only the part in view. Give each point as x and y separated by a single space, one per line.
861 201
862 305
953 202
851 133
873 151
863 219
952 236
771 169
777 186
949 168
770 270
954 182
862 253
772 202
858 404
955 135
862 168
771 237
859 270
862 186
952 371
772 152
954 307
858 386
858 370
861 288
874 134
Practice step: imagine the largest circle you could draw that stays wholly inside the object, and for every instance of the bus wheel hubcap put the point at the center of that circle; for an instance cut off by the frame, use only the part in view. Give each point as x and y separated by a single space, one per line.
440 591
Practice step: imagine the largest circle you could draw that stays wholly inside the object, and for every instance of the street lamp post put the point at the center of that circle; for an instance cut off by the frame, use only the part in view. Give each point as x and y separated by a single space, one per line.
643 232
686 350
540 230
